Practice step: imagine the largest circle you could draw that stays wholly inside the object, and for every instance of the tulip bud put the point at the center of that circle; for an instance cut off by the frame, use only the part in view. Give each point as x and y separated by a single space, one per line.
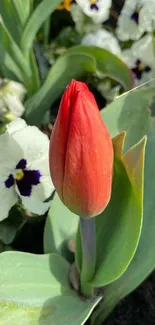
81 153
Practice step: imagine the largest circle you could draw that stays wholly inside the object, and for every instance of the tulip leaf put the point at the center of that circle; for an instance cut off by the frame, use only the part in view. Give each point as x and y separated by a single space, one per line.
11 19
61 226
40 14
35 290
73 64
10 226
134 113
118 227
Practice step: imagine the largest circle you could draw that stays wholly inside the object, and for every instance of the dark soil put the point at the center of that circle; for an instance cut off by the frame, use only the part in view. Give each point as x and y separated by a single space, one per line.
138 308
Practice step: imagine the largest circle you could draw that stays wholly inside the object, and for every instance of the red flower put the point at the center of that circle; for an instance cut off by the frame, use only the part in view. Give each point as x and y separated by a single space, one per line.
81 153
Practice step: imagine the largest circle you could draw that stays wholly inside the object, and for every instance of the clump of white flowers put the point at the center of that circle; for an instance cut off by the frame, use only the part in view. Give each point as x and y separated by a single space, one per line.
135 25
12 94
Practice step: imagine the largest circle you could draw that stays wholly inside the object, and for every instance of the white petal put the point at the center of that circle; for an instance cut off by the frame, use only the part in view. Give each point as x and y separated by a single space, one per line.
35 206
10 153
16 125
8 198
33 143
103 39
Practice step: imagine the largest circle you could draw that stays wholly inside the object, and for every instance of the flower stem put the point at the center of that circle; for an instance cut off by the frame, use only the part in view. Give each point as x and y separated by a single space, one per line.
88 238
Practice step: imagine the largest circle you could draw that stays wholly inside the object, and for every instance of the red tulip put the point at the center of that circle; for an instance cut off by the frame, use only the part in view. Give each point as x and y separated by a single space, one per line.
81 153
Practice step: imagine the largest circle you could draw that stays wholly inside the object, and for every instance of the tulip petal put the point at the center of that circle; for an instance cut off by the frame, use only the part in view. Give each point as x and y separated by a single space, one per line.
81 153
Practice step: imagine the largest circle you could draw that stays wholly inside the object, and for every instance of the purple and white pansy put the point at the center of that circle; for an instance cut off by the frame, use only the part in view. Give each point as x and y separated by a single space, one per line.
137 17
24 168
141 60
98 10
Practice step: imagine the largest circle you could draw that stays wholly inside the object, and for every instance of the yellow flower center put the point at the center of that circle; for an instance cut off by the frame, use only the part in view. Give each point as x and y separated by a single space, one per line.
19 175
93 2
137 11
140 67
66 4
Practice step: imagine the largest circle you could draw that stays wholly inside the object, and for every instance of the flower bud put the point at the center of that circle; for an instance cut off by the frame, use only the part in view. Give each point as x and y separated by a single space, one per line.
81 153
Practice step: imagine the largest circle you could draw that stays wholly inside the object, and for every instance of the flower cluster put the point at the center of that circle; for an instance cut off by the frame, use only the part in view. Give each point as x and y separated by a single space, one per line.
11 96
135 24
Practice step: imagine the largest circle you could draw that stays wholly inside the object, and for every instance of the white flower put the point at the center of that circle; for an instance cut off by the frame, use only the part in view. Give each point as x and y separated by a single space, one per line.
98 10
104 39
24 168
82 25
141 60
11 95
137 17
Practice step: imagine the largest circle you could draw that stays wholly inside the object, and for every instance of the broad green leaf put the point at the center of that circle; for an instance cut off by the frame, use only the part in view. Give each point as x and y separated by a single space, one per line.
133 112
61 226
41 13
118 227
34 290
73 64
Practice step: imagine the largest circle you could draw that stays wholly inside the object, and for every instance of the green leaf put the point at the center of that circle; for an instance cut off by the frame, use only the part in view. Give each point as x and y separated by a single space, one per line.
73 64
11 19
23 8
41 13
134 113
61 226
35 290
118 227
10 226
20 65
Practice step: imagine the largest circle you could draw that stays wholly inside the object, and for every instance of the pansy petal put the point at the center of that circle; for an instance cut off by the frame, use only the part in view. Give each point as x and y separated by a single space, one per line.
103 39
16 125
35 206
8 198
10 153
33 142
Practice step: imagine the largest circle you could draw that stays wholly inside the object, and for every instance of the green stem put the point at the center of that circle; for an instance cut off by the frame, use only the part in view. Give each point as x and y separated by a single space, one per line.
88 238
47 25
153 42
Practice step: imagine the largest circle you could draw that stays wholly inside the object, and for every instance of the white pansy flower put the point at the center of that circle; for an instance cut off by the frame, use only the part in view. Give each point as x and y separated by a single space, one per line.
98 10
82 25
104 39
24 168
141 60
11 95
137 17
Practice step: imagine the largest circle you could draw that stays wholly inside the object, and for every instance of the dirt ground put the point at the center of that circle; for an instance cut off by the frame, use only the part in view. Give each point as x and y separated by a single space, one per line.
138 308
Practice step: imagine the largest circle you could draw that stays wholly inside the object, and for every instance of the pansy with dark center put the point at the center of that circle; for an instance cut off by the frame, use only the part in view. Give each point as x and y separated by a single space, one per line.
135 15
93 5
23 178
140 68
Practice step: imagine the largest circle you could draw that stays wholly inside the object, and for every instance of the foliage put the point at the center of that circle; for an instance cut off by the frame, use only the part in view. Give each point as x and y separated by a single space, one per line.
45 44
